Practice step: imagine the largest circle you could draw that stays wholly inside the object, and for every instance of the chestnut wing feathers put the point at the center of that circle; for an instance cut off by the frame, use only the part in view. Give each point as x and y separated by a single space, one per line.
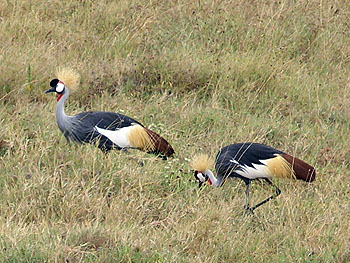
302 170
161 145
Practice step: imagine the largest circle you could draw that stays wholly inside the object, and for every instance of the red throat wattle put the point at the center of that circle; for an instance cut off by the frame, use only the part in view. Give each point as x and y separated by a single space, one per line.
210 182
59 96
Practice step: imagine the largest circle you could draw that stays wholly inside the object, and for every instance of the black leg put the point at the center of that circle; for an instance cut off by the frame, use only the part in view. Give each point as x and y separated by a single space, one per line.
278 192
68 139
247 203
125 150
248 209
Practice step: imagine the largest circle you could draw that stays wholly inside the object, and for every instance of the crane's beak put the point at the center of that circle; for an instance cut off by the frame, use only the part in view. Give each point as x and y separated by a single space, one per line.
200 185
50 90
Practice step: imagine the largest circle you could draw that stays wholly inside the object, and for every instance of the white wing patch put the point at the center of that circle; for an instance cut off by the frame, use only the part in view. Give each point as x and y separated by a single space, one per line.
119 137
235 162
257 171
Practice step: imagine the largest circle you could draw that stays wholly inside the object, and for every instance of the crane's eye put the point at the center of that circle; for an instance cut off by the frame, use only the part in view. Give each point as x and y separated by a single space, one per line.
59 87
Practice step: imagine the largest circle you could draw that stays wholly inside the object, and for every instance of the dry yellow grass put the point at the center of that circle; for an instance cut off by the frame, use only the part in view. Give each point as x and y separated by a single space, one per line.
202 74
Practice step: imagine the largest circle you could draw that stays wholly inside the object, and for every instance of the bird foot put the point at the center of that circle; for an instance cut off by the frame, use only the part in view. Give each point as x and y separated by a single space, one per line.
141 163
249 211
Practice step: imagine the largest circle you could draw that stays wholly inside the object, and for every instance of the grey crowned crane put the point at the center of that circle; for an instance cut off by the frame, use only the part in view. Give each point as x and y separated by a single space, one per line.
251 161
108 130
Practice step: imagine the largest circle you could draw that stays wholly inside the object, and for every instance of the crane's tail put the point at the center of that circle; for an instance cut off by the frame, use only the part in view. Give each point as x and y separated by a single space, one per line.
302 170
160 145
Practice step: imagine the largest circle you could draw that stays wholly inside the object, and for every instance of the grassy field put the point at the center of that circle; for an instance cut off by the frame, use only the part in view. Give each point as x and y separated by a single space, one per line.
203 74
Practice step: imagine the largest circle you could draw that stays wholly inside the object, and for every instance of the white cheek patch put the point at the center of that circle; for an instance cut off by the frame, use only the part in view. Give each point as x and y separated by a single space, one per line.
59 87
201 177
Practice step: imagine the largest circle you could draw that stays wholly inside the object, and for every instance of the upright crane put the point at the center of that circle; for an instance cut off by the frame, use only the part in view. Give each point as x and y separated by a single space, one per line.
108 130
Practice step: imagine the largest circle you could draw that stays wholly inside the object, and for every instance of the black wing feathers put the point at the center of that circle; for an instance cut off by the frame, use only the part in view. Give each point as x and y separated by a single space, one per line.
83 130
106 120
233 156
246 153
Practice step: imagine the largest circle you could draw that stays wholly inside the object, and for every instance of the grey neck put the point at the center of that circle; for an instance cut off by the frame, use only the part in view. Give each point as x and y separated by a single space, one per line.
61 116
215 181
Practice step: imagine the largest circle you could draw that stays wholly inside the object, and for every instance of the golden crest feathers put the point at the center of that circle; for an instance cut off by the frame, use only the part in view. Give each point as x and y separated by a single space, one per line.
201 162
69 77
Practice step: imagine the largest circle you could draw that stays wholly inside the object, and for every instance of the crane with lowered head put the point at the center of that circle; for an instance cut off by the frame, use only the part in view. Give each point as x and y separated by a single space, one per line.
108 130
251 161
